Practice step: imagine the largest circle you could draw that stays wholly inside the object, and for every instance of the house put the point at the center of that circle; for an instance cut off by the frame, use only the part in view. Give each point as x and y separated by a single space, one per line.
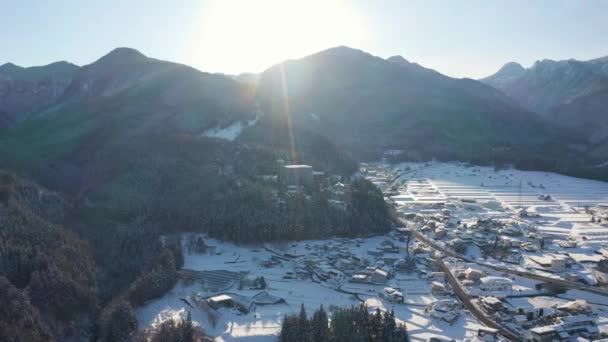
379 277
438 276
438 289
491 304
392 295
229 301
544 333
521 212
487 334
565 328
554 262
370 276
296 175
337 190
579 324
496 284
440 233
446 310
375 252
531 308
389 260
473 274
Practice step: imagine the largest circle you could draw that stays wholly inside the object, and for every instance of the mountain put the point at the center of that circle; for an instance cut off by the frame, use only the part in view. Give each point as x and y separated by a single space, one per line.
571 94
48 270
101 131
601 64
134 136
548 84
129 130
27 90
507 74
366 104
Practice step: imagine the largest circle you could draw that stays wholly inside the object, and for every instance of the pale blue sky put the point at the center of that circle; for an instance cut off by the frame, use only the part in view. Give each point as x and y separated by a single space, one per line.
458 38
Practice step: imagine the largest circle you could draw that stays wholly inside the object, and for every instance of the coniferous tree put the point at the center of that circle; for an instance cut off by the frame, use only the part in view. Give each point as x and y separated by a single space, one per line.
188 329
303 326
354 324
289 327
319 326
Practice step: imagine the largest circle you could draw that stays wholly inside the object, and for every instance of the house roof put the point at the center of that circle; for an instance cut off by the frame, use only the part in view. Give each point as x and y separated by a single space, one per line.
381 272
220 298
298 166
488 280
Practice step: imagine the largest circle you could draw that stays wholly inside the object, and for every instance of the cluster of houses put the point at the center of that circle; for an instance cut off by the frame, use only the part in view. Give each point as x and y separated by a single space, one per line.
297 178
446 310
379 175
544 319
239 303
334 262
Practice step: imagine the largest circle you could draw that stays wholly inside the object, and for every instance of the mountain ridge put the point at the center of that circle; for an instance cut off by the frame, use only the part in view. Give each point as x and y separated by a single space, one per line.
570 93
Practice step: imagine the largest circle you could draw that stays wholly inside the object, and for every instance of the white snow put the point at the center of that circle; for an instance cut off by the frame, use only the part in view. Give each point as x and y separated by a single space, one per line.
230 132
469 193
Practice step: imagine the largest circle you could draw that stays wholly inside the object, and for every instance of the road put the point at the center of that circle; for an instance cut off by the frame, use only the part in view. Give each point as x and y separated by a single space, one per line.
465 299
529 275
534 276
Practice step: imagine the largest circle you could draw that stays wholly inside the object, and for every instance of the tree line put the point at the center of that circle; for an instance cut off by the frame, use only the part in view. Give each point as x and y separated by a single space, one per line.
354 324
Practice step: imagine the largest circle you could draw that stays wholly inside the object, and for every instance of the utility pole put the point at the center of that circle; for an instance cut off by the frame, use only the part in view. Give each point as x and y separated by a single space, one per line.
519 194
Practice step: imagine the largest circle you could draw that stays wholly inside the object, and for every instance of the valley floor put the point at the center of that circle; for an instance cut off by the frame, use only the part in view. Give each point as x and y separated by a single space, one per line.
315 273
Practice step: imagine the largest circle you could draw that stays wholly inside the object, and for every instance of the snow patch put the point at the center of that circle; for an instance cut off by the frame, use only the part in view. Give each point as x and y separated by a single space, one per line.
231 132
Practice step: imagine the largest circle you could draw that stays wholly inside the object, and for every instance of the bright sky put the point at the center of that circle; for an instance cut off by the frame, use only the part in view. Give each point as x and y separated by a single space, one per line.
470 38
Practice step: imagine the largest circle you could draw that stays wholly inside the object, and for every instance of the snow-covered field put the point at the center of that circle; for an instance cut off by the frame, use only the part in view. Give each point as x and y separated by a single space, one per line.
480 192
263 322
562 215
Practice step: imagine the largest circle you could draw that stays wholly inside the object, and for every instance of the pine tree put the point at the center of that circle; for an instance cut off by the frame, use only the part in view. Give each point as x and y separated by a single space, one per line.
303 326
389 326
188 329
289 329
319 326
376 325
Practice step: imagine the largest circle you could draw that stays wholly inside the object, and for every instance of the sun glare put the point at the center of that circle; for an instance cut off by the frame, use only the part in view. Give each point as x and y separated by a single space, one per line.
239 36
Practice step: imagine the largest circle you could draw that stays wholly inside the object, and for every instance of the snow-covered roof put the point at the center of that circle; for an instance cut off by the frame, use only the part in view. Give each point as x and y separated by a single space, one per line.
220 298
490 280
381 272
298 166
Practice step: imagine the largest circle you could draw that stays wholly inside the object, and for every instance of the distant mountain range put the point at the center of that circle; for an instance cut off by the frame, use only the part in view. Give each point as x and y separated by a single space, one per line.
571 94
129 148
27 90
92 129
368 104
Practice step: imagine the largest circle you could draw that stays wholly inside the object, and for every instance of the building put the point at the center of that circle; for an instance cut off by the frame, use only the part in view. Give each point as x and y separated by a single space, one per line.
370 276
531 308
473 274
496 284
487 334
554 262
438 289
229 301
491 304
296 175
379 276
565 328
544 334
392 295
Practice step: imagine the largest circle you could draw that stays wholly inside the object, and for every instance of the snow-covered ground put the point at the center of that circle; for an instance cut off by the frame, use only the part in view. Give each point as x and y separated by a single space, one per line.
562 215
473 192
263 322
232 131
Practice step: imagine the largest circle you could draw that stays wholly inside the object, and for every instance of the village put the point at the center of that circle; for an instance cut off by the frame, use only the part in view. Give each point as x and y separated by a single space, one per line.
520 249
478 254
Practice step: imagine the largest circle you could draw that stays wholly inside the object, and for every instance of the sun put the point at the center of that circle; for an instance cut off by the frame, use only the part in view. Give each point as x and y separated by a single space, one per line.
238 36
